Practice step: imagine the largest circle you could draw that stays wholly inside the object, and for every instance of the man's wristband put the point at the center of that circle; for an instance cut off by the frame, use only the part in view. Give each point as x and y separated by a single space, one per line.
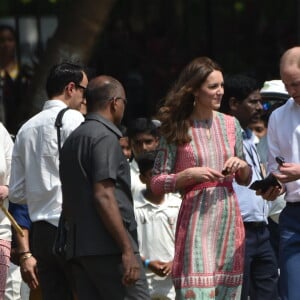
25 256
146 263
24 252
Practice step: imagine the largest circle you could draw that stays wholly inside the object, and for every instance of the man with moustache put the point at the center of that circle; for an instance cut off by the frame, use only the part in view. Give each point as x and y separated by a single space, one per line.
242 100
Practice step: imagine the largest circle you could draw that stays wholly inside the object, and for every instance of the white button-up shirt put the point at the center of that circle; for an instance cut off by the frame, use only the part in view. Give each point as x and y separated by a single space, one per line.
35 162
6 145
284 140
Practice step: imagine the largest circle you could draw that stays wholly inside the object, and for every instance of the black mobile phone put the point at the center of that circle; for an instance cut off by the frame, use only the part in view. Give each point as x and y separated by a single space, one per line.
270 180
280 160
265 183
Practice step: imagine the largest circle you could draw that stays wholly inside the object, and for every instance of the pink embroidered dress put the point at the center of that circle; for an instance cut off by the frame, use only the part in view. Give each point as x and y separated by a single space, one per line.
209 245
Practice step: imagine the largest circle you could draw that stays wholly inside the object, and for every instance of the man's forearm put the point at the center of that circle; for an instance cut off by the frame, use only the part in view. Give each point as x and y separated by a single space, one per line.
23 242
110 215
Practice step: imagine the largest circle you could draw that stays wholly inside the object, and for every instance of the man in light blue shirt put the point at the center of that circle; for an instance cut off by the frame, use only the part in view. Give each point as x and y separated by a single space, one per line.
243 100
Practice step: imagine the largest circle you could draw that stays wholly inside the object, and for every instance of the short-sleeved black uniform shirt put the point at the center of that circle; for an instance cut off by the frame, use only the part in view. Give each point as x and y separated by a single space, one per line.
92 153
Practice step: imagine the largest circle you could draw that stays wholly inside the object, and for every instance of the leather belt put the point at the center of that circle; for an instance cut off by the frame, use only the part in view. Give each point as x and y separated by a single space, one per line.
254 224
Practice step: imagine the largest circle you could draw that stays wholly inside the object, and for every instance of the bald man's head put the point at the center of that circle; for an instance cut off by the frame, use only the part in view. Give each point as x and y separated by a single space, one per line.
101 90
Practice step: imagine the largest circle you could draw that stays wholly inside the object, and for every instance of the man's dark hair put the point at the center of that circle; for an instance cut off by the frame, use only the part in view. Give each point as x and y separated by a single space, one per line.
123 130
238 86
62 74
146 161
100 90
142 125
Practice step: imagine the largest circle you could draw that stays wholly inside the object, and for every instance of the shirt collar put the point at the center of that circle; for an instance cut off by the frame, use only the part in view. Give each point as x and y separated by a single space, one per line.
248 135
142 202
105 122
54 103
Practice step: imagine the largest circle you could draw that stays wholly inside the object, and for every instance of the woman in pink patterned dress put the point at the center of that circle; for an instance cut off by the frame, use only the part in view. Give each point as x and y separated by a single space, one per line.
200 152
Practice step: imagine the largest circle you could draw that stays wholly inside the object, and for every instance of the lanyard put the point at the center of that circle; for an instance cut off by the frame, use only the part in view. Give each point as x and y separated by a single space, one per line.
258 169
251 152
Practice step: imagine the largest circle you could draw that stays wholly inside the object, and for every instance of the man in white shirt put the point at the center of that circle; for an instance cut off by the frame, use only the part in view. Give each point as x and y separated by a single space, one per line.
284 140
35 176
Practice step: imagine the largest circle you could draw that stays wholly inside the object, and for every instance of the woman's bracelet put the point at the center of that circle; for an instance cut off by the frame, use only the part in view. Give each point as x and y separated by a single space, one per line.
146 263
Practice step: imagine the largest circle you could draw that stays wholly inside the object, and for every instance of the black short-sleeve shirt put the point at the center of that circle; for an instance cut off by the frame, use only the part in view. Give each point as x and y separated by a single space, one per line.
91 154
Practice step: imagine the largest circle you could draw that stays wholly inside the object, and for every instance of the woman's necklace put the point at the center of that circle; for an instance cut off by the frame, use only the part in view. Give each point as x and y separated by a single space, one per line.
207 124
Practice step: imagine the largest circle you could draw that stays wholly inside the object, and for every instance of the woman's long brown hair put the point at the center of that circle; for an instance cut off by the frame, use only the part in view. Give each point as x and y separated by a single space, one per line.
179 103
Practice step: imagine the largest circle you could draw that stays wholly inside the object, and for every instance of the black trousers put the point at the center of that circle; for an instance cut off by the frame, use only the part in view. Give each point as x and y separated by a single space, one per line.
260 267
99 278
52 270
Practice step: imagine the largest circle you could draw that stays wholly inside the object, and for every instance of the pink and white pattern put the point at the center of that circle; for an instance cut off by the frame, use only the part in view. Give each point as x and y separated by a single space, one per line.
209 247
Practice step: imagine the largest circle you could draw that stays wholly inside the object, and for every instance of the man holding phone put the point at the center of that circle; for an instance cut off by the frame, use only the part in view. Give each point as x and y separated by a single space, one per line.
283 140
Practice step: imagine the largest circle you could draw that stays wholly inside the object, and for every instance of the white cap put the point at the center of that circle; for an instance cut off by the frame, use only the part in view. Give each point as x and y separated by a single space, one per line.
156 122
274 90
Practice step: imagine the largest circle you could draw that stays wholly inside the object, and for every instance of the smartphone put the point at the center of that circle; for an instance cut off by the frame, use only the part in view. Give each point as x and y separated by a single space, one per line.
270 180
280 160
265 183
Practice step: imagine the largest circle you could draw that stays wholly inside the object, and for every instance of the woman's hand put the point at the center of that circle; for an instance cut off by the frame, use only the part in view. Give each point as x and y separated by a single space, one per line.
204 174
233 164
239 167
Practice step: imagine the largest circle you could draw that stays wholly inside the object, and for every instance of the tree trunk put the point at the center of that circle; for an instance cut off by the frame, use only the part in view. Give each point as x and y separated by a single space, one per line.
74 39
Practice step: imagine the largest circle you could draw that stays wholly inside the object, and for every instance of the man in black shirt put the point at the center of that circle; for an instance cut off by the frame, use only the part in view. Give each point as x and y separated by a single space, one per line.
97 203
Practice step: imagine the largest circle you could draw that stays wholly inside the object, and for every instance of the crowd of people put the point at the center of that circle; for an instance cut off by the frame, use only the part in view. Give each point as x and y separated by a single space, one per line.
160 208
